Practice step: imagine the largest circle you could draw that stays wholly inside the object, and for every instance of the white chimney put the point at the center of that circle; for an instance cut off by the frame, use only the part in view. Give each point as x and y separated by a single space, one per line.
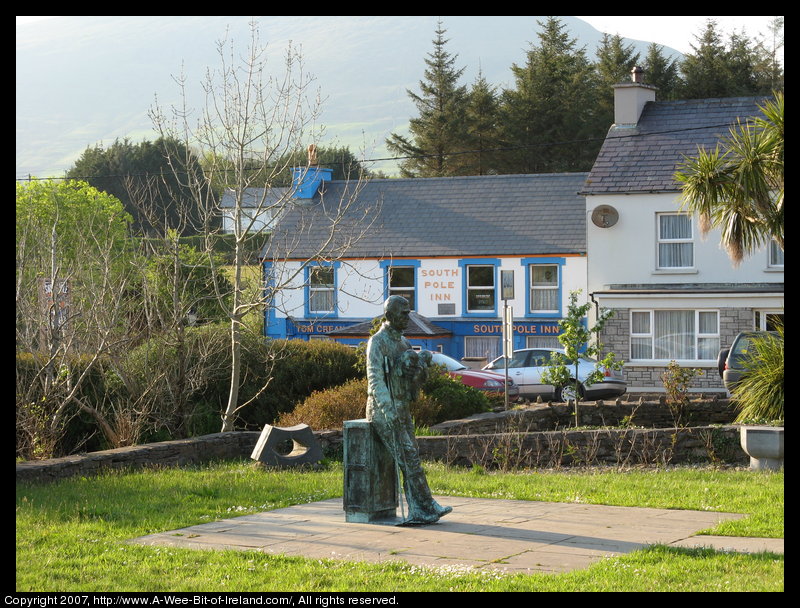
630 98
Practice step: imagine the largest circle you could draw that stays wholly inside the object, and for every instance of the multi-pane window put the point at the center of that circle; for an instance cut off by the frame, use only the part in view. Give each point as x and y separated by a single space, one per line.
321 290
542 342
674 334
482 347
401 282
675 242
768 320
480 288
775 255
544 288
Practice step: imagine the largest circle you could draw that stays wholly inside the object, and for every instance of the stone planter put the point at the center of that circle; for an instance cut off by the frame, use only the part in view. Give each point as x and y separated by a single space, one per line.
764 445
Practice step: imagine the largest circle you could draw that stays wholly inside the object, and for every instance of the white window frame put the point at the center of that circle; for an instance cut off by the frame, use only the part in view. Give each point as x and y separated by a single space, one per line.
651 335
774 255
660 265
763 318
321 288
556 288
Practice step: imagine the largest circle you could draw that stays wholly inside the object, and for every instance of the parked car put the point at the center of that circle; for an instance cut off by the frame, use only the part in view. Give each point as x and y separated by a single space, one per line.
730 361
491 382
526 367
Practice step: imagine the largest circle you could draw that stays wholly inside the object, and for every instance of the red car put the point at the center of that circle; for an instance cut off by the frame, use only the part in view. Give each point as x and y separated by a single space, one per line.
483 380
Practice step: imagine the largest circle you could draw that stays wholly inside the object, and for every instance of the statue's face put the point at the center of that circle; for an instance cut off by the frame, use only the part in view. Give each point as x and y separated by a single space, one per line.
398 314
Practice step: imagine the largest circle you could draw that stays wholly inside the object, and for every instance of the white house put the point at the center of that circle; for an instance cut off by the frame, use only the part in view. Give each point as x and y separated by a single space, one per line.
675 295
443 243
260 209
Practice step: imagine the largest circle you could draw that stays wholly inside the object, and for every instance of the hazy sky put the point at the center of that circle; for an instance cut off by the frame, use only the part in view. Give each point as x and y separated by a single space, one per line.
676 32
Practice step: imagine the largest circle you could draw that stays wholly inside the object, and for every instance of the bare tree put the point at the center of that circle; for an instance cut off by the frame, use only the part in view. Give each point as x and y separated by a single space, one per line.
71 294
245 133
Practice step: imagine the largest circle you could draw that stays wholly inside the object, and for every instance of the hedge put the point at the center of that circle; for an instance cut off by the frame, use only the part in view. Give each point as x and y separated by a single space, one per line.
183 384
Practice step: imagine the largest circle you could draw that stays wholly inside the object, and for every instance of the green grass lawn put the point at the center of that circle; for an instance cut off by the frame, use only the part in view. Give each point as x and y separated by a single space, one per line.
71 534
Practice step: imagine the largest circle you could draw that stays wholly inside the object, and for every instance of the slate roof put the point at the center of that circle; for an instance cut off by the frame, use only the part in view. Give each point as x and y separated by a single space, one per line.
644 158
453 216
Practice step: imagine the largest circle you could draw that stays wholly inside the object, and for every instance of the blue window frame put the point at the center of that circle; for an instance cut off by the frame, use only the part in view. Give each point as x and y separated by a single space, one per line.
320 289
400 279
479 287
544 287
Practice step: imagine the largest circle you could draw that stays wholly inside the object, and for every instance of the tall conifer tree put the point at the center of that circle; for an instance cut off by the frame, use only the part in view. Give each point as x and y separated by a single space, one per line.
614 64
482 128
549 118
661 72
439 131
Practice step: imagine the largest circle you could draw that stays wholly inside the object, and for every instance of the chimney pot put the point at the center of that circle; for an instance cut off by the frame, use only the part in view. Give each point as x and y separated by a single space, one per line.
637 74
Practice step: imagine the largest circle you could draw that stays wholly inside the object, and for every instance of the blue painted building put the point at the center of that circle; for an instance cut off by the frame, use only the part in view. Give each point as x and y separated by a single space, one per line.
446 244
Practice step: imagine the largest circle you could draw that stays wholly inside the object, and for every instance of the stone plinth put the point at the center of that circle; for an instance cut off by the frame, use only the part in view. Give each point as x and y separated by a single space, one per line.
370 476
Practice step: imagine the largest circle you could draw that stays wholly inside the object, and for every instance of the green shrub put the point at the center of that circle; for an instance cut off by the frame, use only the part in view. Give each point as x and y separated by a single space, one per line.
36 437
441 398
454 398
329 408
677 381
190 380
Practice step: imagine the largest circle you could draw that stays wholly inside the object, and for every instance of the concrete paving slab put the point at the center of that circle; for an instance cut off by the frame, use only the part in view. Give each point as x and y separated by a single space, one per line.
512 535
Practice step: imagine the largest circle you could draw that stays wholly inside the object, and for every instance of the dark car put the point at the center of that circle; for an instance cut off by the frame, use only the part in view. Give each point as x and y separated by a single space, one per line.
490 382
731 361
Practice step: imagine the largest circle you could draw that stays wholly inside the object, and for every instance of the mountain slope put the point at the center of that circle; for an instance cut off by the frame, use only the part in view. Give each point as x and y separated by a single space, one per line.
86 80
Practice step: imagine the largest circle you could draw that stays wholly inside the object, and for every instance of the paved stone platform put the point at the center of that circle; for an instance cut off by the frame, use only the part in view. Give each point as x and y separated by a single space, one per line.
509 535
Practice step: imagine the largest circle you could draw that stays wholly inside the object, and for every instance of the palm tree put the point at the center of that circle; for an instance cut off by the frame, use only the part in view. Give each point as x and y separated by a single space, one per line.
738 187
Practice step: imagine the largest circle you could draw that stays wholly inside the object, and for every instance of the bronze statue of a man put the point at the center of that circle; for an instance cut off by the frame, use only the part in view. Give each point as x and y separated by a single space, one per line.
394 376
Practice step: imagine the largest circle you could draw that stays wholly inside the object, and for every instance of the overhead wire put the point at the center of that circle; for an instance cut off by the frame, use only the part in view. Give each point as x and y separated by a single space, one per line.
421 156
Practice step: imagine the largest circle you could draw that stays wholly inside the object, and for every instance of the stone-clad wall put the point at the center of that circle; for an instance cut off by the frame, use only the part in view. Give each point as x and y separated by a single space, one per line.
616 338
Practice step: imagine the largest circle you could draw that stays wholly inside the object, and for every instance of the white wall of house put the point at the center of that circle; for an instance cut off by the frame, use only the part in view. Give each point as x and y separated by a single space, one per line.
627 253
663 312
250 220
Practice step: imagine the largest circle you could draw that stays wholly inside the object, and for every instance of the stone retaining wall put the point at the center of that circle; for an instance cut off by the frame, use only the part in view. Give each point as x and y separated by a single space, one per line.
218 446
622 447
632 413
618 447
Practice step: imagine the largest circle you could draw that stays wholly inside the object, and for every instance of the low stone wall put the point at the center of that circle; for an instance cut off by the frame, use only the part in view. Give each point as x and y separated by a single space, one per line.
540 435
632 413
218 446
617 447
181 452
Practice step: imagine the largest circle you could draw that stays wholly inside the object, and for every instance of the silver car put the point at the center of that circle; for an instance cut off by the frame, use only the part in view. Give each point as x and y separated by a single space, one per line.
526 367
487 381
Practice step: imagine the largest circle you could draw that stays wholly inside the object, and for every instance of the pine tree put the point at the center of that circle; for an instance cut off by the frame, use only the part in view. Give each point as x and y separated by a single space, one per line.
769 71
550 118
139 175
439 131
482 114
614 64
704 73
661 72
717 69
